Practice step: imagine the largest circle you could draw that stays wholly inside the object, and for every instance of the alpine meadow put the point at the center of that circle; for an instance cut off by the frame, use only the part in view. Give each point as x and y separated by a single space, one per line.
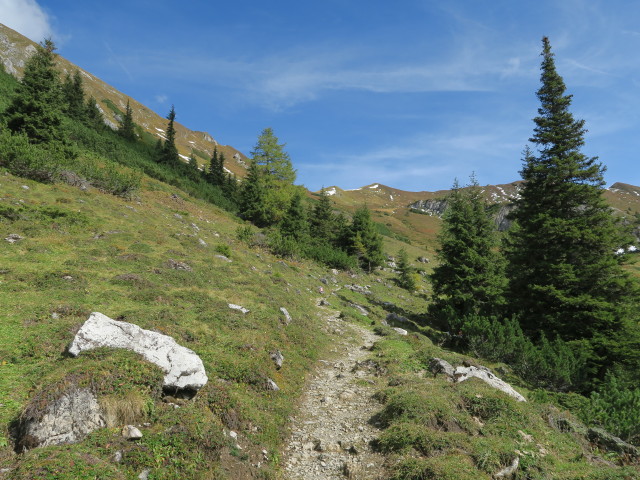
175 309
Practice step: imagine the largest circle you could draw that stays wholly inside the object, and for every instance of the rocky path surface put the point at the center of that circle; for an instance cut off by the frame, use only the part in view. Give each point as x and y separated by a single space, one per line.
330 434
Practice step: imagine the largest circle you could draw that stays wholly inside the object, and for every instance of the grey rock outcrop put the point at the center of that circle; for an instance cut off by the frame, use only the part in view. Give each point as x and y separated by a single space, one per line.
67 419
437 365
465 373
277 358
287 316
431 207
131 433
183 368
240 308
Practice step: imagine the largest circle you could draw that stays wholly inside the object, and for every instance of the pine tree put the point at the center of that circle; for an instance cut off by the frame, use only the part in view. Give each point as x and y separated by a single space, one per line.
73 93
36 109
93 117
469 279
169 153
323 220
364 240
406 277
217 174
294 224
253 197
127 127
563 275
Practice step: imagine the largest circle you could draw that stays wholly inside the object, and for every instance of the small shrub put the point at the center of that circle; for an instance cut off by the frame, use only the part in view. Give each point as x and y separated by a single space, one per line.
223 249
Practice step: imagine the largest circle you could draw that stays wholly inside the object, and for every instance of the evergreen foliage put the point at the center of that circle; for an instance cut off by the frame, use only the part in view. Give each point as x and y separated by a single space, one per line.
93 117
364 241
294 224
323 222
73 93
556 365
216 174
406 277
563 275
126 128
615 406
469 279
169 152
37 106
268 187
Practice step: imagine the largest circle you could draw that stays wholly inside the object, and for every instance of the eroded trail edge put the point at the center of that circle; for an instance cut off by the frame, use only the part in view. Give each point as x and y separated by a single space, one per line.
331 434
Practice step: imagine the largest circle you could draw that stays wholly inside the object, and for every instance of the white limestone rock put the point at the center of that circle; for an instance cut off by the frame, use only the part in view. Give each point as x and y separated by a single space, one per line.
465 373
183 367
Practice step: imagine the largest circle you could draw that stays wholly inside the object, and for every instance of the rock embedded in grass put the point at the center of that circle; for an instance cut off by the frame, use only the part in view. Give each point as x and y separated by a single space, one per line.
182 366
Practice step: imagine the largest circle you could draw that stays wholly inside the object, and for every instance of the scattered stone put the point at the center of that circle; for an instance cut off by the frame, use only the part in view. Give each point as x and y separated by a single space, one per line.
202 242
117 457
509 470
55 316
144 475
287 317
240 308
437 365
183 368
233 434
67 419
358 289
334 272
465 373
25 187
171 263
277 358
67 278
13 238
131 433
612 443
394 317
223 258
423 259
271 385
401 331
360 308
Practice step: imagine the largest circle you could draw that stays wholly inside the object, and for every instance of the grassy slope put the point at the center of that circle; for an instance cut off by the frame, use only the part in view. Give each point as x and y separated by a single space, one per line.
88 251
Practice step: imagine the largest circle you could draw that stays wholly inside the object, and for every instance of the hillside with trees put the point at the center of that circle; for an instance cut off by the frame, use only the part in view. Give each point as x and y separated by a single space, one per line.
267 283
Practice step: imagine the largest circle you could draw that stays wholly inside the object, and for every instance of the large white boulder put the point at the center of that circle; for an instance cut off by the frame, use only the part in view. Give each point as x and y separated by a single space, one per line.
465 373
183 368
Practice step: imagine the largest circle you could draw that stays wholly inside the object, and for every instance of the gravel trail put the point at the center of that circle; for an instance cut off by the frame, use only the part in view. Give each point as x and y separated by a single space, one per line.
330 434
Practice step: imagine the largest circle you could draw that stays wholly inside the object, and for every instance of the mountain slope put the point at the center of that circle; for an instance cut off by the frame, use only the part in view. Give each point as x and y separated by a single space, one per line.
15 49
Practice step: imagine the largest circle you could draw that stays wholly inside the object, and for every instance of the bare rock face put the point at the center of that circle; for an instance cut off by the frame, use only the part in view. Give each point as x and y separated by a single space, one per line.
465 373
68 419
183 368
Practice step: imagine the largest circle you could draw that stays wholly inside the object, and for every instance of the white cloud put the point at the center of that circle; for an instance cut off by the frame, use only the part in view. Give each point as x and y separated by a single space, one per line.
26 17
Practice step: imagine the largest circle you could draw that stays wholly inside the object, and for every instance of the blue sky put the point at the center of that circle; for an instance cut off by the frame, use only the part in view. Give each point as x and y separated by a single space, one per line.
411 94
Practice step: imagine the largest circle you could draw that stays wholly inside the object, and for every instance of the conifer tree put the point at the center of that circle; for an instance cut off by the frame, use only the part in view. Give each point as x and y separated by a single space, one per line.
93 117
322 219
216 168
294 224
469 279
271 175
169 153
73 92
364 240
406 277
127 127
36 109
563 275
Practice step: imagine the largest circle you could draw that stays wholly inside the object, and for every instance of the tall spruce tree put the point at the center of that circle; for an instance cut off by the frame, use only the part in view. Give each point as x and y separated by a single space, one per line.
169 152
563 275
216 168
37 106
364 240
73 92
469 279
126 129
323 220
294 224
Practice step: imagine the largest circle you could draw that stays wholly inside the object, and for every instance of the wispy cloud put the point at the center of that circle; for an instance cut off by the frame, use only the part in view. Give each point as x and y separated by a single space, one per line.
27 18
